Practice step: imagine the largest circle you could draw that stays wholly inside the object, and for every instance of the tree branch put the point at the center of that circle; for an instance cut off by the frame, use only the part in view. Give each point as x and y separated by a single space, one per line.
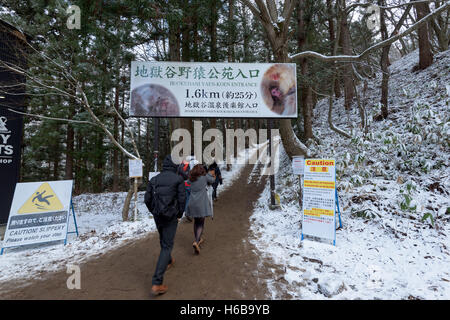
272 10
51 118
364 5
85 102
345 58
252 8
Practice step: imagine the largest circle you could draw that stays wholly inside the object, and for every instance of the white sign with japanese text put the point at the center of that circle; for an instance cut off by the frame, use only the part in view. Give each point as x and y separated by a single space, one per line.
39 213
213 89
135 168
319 198
298 165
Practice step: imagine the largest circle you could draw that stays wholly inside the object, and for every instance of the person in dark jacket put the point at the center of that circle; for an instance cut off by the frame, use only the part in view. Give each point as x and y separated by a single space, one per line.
215 168
165 199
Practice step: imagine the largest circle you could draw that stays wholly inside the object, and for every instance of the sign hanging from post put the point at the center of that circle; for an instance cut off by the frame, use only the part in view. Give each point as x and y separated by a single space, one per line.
135 168
201 89
39 213
298 165
319 199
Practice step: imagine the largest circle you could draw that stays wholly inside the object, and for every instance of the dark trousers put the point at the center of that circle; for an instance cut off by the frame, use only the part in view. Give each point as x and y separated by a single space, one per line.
167 229
214 194
188 194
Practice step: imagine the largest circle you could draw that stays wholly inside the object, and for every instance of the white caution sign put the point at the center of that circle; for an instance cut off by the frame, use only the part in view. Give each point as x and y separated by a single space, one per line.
298 165
39 213
319 199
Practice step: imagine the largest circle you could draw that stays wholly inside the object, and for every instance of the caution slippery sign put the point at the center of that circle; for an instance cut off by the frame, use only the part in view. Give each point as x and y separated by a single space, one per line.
44 199
39 213
319 199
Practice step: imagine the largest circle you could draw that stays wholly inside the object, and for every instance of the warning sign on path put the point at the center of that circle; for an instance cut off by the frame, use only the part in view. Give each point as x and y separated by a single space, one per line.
44 199
319 199
39 213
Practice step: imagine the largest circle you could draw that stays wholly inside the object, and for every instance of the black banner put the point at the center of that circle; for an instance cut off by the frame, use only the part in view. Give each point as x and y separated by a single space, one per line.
12 97
10 153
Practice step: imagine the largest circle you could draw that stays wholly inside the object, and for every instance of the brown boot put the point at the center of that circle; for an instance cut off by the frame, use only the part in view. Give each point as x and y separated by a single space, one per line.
170 265
159 289
196 247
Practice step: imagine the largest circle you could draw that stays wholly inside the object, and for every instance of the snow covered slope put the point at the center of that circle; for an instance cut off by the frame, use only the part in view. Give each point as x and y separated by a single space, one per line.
394 189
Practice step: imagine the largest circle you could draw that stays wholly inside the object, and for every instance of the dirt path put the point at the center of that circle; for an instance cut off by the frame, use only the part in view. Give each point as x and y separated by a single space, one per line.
225 269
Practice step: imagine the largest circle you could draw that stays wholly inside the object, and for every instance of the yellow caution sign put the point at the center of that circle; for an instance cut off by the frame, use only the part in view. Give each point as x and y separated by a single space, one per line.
43 199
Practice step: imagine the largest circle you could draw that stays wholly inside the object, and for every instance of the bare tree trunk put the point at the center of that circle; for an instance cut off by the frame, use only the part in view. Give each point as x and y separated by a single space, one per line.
246 35
305 93
122 138
231 29
126 205
115 186
278 38
70 145
213 30
337 88
349 92
440 26
384 62
425 53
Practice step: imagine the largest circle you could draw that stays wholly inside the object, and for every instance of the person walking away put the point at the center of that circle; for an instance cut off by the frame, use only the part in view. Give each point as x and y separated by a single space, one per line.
192 161
165 198
183 171
215 168
199 206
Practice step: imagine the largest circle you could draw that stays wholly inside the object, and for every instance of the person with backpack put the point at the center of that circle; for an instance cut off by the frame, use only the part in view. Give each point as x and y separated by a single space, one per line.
199 206
165 198
215 168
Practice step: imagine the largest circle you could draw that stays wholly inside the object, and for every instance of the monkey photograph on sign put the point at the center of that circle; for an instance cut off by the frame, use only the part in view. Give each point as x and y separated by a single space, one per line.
278 89
153 100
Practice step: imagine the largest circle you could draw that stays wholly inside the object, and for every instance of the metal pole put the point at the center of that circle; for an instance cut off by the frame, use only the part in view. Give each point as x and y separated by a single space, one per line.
135 197
300 194
272 173
156 142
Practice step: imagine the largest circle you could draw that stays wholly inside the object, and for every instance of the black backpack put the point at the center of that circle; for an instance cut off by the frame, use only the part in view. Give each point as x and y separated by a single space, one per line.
159 206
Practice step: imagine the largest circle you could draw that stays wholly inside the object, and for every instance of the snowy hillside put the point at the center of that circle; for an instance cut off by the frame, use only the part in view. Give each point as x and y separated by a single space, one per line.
394 193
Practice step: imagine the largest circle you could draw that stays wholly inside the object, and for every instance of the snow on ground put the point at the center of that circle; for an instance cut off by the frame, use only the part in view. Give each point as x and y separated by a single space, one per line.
99 219
100 225
394 187
238 164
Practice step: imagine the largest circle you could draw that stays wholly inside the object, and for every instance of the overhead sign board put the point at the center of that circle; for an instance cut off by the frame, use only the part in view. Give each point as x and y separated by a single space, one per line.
319 199
202 89
39 213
